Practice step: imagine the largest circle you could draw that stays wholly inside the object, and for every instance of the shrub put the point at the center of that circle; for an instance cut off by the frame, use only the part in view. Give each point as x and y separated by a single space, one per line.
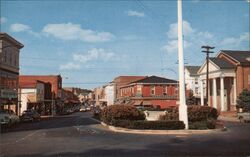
243 100
207 124
121 112
195 113
153 125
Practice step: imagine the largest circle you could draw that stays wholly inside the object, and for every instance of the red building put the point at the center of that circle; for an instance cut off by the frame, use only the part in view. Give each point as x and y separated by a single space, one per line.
157 91
9 71
56 87
121 81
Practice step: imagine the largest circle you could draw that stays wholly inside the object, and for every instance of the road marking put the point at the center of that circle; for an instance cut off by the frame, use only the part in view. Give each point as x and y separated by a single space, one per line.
21 139
94 119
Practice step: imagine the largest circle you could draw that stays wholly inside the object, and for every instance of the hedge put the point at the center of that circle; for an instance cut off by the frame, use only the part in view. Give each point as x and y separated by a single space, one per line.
208 124
121 112
152 125
195 113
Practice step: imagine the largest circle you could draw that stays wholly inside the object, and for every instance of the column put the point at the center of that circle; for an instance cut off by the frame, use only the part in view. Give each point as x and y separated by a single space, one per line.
222 102
235 95
214 93
202 93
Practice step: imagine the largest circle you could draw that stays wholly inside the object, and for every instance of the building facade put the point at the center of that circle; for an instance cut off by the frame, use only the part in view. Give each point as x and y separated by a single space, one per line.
31 96
9 71
120 81
157 91
192 80
229 74
56 88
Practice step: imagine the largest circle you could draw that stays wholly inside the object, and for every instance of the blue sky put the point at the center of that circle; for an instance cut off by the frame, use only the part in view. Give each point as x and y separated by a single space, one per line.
91 42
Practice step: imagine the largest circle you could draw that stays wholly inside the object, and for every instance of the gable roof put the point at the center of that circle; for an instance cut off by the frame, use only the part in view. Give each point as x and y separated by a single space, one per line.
155 79
193 70
239 56
222 63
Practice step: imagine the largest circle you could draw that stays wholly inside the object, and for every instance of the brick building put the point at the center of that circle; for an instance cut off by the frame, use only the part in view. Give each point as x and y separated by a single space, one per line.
120 81
229 74
9 71
56 88
157 91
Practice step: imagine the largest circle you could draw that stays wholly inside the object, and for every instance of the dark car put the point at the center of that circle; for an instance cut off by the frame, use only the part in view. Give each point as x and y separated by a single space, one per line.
30 115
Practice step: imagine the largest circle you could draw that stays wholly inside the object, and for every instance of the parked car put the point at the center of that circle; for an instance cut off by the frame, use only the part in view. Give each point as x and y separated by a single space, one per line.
30 115
243 116
8 117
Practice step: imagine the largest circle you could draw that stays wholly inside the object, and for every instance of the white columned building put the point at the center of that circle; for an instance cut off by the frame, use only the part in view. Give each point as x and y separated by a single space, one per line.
220 92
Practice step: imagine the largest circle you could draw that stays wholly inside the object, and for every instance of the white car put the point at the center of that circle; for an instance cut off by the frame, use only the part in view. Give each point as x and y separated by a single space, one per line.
244 116
8 117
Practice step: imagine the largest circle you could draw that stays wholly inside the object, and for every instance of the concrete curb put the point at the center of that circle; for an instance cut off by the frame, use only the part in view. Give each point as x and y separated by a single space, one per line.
161 132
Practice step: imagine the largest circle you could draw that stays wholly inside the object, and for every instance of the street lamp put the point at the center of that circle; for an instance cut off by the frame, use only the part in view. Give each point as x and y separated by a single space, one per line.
207 48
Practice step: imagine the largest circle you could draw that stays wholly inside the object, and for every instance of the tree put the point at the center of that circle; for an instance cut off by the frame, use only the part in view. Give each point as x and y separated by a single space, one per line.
243 100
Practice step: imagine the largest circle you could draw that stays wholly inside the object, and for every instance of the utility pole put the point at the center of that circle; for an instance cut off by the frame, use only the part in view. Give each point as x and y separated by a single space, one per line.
207 48
183 116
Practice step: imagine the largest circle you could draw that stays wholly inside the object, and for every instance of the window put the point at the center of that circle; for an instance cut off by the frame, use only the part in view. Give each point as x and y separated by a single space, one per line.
139 90
165 90
196 80
196 90
5 57
10 59
15 60
152 90
176 91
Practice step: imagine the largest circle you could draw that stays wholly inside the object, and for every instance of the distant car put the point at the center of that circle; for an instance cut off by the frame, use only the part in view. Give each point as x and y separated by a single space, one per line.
30 115
8 117
88 108
243 116
83 109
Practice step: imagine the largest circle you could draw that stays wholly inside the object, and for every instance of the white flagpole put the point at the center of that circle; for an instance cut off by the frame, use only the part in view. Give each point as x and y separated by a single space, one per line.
182 106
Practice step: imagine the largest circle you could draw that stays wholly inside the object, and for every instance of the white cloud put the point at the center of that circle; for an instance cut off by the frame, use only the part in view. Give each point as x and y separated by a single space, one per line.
3 20
18 27
94 54
70 66
173 30
191 37
69 31
235 41
206 35
135 13
172 46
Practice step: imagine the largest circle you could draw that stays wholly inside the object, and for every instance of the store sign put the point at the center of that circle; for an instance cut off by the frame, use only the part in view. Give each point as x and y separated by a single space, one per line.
7 93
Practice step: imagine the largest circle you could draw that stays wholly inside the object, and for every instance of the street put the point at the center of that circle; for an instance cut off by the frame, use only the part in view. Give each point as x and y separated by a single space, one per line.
79 135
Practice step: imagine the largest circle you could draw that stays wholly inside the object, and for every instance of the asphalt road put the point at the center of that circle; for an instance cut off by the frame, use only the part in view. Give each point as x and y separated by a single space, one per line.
79 135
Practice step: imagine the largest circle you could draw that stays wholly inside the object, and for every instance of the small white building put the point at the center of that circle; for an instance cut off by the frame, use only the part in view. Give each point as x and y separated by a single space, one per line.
110 94
192 79
31 95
